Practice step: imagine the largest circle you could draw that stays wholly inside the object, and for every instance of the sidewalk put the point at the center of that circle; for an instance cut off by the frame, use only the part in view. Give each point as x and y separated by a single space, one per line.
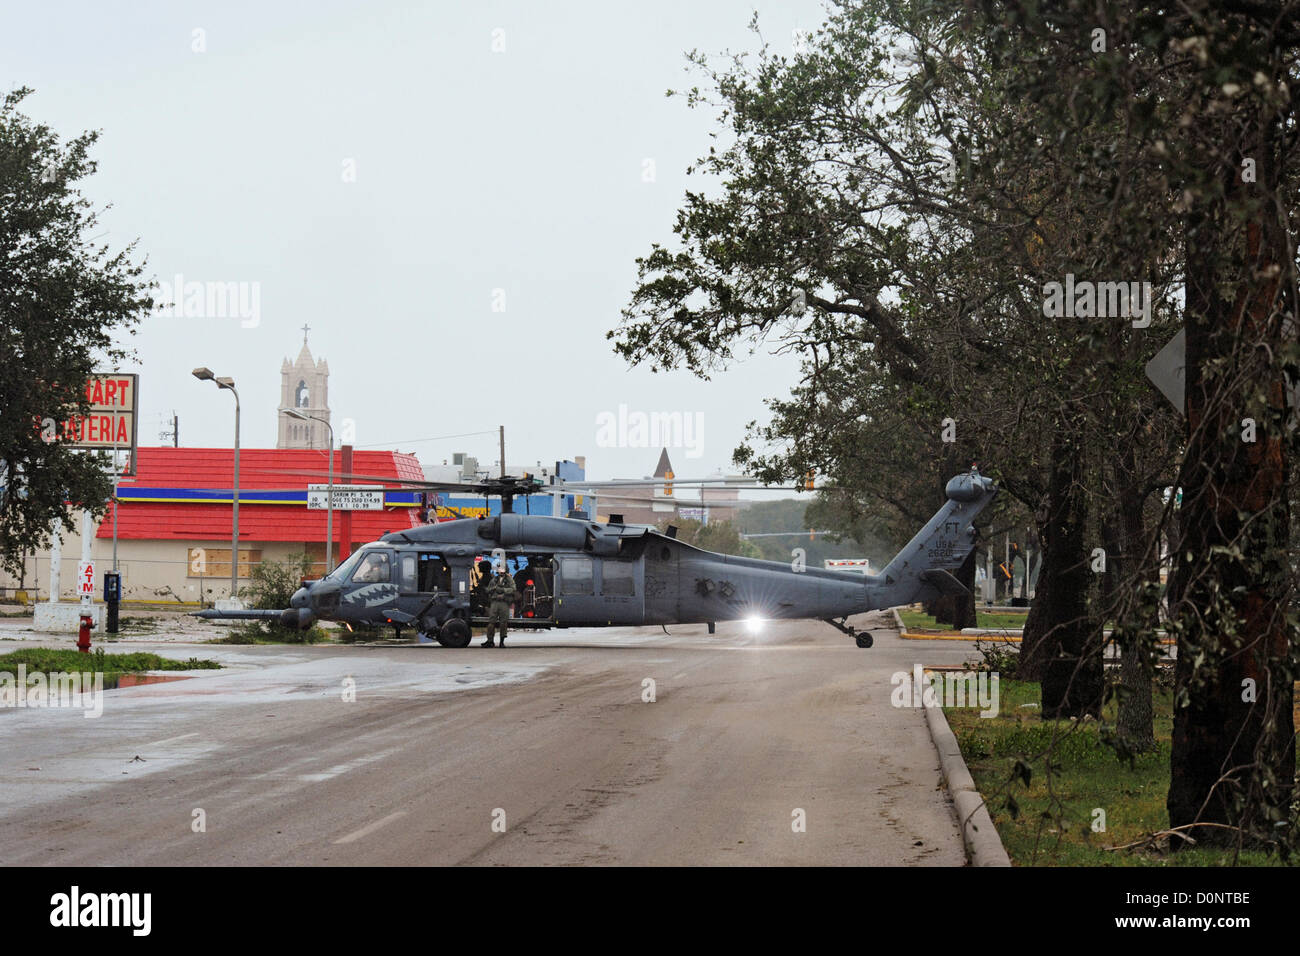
894 650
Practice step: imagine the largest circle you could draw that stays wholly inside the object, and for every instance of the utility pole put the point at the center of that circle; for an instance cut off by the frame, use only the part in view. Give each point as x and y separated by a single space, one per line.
117 471
56 559
87 546
174 433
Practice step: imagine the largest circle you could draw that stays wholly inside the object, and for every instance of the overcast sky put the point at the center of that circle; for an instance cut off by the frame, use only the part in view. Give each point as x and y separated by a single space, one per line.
378 171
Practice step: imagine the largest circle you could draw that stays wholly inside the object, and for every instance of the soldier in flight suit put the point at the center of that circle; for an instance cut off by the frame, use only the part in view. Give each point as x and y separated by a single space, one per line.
500 592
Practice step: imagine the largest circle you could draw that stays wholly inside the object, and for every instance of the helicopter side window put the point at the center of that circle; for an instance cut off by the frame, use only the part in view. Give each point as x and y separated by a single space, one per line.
616 578
435 575
408 573
374 569
575 576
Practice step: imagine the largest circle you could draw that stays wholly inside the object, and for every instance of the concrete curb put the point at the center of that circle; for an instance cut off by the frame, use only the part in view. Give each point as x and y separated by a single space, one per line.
983 846
968 638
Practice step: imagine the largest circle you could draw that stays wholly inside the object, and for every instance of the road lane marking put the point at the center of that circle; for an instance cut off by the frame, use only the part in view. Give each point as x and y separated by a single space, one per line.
171 740
343 768
371 828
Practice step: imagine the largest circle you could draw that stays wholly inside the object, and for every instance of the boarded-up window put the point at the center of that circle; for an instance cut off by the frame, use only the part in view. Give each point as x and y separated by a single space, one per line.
315 552
215 562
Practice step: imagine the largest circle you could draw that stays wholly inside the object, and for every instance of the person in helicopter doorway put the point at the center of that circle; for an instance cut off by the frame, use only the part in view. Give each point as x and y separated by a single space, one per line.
478 593
501 594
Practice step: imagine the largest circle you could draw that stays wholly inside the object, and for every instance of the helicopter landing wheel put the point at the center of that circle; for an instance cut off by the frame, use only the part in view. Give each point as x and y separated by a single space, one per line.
864 640
454 633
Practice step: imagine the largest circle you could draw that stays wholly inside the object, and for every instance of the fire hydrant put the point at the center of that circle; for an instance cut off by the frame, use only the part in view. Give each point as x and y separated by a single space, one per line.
83 634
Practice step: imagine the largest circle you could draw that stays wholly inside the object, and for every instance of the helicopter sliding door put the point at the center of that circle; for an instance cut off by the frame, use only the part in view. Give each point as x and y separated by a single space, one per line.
622 590
575 590
596 591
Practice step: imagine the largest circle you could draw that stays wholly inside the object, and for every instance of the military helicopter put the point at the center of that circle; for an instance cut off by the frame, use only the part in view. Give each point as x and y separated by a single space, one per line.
574 572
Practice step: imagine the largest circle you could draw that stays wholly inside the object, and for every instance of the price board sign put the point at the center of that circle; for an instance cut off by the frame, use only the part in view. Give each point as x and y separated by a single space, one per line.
346 497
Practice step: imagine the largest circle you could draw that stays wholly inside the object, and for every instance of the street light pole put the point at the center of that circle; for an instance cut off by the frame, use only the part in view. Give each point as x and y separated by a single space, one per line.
329 493
205 375
234 533
329 508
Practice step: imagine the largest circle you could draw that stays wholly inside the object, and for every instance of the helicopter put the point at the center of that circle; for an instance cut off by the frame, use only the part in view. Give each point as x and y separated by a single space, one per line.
575 572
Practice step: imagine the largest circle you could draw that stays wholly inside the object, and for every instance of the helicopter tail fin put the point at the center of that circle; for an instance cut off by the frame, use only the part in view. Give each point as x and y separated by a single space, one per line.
924 569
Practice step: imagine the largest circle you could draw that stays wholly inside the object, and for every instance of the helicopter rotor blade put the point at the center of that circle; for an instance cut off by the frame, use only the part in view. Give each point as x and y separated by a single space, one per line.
514 486
387 479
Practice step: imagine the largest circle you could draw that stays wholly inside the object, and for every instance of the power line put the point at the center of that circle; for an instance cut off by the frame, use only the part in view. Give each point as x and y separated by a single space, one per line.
417 441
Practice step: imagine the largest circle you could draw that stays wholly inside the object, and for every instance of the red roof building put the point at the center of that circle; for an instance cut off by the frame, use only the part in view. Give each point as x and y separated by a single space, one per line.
185 493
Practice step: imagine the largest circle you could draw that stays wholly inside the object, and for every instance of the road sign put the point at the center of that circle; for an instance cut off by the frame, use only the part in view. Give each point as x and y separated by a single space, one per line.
346 497
1166 370
85 578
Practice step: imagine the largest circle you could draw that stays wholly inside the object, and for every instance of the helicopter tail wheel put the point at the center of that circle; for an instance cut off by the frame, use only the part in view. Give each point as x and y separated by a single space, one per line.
454 633
864 640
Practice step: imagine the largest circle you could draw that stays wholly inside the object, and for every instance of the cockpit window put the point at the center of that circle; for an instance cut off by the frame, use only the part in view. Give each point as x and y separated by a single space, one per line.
375 568
343 570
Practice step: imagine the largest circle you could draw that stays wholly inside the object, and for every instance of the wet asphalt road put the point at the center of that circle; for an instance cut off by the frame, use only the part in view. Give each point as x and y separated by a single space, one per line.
546 752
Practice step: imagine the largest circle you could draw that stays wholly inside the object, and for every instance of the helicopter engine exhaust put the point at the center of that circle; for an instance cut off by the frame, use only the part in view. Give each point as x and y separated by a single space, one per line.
298 618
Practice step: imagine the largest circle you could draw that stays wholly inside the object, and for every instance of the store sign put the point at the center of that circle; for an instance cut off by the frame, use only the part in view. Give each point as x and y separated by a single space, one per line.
111 421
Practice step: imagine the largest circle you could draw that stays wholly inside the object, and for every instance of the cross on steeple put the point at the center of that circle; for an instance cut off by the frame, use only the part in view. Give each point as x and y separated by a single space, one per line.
305 329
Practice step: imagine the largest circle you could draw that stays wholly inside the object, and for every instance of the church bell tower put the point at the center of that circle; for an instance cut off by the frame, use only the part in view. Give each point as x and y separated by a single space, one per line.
304 386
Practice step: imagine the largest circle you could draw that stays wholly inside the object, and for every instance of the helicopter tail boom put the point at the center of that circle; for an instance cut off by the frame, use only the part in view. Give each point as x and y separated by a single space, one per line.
924 568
